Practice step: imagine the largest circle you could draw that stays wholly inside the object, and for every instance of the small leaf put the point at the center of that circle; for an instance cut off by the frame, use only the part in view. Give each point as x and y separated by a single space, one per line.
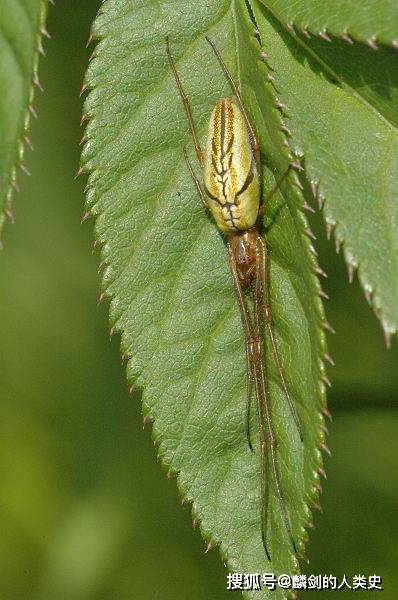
21 22
368 21
342 112
166 270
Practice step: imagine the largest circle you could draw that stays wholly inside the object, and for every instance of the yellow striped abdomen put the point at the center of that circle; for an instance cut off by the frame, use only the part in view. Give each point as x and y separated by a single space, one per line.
230 172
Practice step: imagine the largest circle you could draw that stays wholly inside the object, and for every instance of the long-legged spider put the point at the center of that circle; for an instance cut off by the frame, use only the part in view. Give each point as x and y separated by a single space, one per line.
231 191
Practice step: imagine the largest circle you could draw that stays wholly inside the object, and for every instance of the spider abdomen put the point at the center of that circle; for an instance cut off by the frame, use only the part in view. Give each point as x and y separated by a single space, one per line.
230 172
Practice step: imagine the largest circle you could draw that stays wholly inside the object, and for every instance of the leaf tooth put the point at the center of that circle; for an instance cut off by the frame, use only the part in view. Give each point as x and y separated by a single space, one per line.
270 77
329 228
28 142
324 35
90 40
394 44
85 216
372 43
368 291
326 325
32 111
344 36
305 32
388 331
314 188
322 472
309 233
318 506
290 26
350 271
324 429
84 88
14 184
44 32
329 359
318 488
308 208
40 48
103 263
326 380
37 82
209 547
327 413
338 243
326 449
280 105
286 129
298 183
80 171
323 294
25 169
10 215
296 164
320 271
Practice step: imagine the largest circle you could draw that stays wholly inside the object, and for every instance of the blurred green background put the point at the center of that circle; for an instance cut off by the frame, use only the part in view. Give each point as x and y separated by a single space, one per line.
85 510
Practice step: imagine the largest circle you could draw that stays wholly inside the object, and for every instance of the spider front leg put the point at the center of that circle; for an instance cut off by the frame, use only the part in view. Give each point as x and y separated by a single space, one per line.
255 143
196 181
186 104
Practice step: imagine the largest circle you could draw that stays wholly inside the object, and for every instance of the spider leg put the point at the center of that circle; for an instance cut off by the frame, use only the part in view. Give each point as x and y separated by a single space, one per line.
269 324
268 197
264 407
185 101
196 181
253 345
249 389
234 85
247 329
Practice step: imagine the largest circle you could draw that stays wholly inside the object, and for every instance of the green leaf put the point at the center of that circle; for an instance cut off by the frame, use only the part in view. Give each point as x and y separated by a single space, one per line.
368 21
341 109
166 270
21 22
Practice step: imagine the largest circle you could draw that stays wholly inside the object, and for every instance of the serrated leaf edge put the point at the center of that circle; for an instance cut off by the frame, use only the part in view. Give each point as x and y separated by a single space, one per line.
24 139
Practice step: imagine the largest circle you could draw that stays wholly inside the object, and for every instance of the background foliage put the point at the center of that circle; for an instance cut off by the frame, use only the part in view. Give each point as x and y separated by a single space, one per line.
85 510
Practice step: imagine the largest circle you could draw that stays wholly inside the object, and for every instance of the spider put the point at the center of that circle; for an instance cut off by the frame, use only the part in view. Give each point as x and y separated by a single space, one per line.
231 192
